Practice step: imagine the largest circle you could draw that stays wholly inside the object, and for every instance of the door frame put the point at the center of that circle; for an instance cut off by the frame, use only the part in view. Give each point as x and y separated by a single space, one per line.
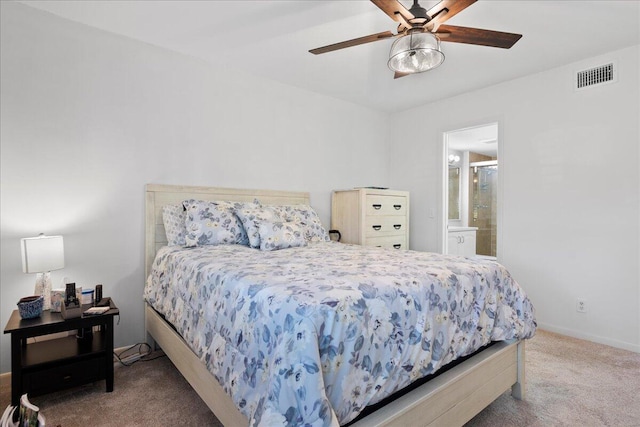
444 188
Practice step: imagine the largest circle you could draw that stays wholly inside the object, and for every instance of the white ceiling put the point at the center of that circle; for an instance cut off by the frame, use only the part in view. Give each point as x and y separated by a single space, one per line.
272 38
479 139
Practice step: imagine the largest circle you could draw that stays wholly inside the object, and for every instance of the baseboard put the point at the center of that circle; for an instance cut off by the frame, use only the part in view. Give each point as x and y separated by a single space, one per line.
5 380
588 337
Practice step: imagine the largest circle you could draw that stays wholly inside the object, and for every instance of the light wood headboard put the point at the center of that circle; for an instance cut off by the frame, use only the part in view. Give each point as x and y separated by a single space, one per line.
158 195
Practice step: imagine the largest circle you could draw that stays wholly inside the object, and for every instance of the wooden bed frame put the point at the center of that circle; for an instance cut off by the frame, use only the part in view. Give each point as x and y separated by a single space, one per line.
452 398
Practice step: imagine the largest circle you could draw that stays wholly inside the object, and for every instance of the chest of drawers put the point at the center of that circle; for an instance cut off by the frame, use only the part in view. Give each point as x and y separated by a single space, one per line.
372 217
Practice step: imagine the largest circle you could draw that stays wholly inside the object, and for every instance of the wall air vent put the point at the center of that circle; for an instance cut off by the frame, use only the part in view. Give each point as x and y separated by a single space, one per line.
596 76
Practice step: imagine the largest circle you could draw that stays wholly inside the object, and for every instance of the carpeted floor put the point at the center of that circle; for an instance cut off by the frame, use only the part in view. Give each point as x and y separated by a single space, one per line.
570 382
144 394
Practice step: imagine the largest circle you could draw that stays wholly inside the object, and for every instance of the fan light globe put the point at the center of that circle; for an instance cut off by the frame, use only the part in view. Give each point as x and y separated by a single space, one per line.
415 52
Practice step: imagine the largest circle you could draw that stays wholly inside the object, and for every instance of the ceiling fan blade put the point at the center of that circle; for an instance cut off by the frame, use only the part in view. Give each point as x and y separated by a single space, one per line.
392 8
398 74
451 33
354 42
447 9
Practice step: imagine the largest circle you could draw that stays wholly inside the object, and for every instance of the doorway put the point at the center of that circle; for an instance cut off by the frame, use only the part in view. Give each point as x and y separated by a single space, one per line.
471 191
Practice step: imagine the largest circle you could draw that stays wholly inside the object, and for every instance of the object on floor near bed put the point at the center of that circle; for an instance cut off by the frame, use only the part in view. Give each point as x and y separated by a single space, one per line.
25 414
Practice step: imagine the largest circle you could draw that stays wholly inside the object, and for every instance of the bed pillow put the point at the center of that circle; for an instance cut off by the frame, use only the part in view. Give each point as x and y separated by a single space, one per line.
252 216
173 218
213 223
307 218
280 235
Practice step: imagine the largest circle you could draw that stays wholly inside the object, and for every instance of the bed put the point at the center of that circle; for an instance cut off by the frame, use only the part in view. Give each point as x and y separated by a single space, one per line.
451 398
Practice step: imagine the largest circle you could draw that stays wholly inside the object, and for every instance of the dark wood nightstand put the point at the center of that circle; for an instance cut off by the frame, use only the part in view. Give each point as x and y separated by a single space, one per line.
50 365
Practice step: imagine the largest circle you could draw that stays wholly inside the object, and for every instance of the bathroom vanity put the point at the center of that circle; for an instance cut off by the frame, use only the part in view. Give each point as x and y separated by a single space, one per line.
462 241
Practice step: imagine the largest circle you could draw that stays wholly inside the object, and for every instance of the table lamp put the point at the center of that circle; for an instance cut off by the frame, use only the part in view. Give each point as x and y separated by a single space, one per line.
41 255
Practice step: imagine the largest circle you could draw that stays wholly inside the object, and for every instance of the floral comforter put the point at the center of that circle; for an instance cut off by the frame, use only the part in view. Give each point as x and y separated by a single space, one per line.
312 335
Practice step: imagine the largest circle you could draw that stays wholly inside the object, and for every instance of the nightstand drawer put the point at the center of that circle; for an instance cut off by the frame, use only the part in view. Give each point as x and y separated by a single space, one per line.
59 377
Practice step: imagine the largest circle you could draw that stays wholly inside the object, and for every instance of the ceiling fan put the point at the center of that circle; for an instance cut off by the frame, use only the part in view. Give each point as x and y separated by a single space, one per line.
417 47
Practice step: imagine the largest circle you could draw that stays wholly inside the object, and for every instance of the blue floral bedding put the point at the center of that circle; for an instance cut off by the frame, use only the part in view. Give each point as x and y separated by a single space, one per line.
311 335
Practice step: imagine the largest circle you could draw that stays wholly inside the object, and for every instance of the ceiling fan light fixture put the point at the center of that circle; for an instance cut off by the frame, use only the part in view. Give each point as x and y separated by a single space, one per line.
415 52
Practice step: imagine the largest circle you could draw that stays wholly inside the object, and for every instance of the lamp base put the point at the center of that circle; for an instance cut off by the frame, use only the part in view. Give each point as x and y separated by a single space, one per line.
43 287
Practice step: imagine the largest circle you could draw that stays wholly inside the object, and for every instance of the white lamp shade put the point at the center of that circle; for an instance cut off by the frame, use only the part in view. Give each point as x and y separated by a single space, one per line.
42 254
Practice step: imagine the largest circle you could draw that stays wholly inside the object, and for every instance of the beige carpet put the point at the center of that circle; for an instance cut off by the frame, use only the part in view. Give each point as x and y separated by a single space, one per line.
144 394
570 382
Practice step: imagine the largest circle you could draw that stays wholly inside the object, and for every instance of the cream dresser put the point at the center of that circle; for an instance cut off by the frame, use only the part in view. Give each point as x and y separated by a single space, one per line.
371 217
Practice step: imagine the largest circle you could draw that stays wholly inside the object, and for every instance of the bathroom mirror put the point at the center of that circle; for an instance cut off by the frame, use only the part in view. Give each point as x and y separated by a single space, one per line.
454 192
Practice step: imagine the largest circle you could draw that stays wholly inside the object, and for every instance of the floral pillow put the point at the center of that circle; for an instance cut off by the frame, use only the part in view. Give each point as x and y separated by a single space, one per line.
173 217
280 235
212 223
307 218
251 217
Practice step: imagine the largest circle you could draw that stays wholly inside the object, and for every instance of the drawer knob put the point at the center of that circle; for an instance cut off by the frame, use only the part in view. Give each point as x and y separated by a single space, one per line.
397 246
377 206
397 207
376 227
397 226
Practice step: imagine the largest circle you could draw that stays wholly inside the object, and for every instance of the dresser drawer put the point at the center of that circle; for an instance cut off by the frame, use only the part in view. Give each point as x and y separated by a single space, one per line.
397 242
379 225
377 204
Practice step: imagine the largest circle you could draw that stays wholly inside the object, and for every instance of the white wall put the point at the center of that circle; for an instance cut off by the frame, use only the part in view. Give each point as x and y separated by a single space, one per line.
569 166
88 118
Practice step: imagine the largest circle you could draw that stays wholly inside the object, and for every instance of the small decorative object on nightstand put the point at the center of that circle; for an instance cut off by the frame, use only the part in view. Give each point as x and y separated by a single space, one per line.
42 255
30 307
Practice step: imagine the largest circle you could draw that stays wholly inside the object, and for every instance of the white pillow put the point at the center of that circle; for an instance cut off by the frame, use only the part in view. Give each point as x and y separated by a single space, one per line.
173 217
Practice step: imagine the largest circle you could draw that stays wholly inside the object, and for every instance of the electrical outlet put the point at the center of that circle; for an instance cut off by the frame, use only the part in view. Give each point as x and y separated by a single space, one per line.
581 305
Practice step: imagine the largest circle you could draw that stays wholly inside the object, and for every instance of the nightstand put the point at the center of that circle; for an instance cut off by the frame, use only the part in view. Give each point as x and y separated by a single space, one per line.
49 365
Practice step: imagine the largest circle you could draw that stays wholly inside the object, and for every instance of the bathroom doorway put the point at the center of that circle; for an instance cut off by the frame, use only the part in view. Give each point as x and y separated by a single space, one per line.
471 191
